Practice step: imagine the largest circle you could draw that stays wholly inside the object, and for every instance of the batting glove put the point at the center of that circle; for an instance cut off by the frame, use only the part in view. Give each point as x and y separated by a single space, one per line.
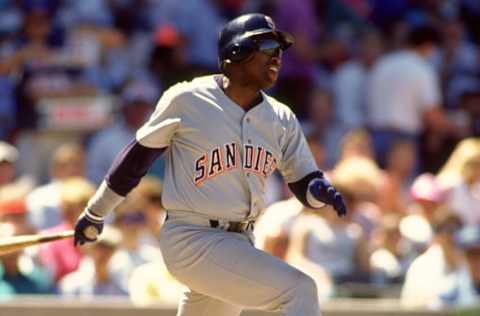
87 228
323 191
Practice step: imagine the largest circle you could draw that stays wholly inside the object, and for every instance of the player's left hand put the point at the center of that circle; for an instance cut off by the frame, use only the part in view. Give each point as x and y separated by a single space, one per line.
324 191
87 228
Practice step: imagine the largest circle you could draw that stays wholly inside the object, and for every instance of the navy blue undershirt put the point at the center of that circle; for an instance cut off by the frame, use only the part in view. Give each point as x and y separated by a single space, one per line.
130 165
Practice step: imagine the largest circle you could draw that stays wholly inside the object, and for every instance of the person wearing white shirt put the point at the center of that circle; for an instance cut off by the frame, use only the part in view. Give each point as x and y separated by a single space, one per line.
403 95
440 277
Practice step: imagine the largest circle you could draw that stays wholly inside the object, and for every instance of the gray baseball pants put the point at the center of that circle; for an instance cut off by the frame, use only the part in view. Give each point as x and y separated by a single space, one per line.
225 273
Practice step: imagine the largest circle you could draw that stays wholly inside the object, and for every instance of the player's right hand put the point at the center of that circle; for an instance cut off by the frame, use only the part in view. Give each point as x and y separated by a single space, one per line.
87 228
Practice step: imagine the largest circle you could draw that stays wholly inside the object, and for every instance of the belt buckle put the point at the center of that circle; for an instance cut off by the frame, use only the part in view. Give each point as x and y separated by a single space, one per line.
239 227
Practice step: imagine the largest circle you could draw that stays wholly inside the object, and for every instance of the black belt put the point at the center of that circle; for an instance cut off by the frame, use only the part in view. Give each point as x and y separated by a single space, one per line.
234 227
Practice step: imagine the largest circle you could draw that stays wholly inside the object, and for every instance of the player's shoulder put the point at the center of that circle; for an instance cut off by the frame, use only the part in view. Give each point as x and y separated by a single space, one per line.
279 109
192 87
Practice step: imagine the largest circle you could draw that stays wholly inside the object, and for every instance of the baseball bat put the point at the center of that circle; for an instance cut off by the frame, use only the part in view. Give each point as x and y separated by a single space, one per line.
16 243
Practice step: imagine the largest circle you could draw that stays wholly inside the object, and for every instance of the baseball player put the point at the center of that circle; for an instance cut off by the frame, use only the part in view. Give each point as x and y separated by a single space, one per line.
223 137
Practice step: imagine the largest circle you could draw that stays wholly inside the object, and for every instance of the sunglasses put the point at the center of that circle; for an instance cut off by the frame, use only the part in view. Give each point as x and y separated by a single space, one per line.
270 47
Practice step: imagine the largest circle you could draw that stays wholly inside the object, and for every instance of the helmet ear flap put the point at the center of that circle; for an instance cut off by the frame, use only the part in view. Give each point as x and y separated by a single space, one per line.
241 50
235 52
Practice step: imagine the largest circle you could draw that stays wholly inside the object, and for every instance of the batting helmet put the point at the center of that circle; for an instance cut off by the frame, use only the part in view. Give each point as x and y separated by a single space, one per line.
236 38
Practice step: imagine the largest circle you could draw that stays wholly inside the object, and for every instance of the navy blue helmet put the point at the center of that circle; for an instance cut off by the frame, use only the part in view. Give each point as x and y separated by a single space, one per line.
236 40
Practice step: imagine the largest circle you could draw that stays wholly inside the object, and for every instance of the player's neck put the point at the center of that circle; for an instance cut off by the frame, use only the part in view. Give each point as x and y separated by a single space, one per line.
244 95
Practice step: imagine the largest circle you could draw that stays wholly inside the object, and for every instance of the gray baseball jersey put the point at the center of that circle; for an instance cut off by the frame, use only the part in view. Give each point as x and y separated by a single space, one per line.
219 156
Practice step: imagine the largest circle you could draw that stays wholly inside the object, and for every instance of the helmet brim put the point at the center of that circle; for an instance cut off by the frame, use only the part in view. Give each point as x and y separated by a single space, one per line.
285 38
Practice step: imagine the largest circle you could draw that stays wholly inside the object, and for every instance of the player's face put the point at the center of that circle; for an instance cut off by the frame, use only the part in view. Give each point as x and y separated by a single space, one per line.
264 66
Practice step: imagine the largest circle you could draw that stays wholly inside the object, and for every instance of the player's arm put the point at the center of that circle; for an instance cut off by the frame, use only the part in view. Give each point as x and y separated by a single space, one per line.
128 168
130 165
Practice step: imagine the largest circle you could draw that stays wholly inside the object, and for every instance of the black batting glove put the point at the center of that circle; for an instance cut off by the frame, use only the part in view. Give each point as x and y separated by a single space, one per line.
323 191
87 228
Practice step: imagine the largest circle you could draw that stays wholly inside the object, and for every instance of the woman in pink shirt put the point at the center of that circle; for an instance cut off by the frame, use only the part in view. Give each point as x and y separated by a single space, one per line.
62 257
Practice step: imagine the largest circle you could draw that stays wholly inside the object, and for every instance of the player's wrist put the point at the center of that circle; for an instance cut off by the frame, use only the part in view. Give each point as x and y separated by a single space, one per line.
93 217
104 201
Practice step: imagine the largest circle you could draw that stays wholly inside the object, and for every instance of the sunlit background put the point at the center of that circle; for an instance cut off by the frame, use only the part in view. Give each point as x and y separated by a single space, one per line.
388 93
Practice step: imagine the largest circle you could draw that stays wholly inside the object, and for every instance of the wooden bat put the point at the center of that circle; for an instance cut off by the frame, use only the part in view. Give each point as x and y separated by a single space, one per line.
16 243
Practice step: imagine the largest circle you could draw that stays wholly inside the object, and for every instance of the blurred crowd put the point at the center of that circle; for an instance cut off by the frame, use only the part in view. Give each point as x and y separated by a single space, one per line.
388 93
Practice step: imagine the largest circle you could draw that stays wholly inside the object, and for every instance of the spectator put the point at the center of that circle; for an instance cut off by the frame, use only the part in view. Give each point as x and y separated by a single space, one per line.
168 63
318 150
350 81
428 199
273 234
404 95
130 220
337 245
8 157
457 57
19 272
469 241
399 168
356 143
361 177
201 31
298 70
138 100
272 230
62 257
321 137
389 259
15 210
44 201
94 276
93 44
461 176
440 277
12 184
360 173
469 102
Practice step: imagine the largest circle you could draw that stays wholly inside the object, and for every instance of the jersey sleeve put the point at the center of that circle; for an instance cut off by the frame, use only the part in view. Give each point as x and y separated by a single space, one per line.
297 159
158 131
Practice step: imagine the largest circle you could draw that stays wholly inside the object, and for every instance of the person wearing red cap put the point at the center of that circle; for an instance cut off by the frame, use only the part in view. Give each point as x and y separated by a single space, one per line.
14 278
15 210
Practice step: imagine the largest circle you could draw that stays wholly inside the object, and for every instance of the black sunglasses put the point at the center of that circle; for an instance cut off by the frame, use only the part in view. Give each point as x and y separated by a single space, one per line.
270 47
